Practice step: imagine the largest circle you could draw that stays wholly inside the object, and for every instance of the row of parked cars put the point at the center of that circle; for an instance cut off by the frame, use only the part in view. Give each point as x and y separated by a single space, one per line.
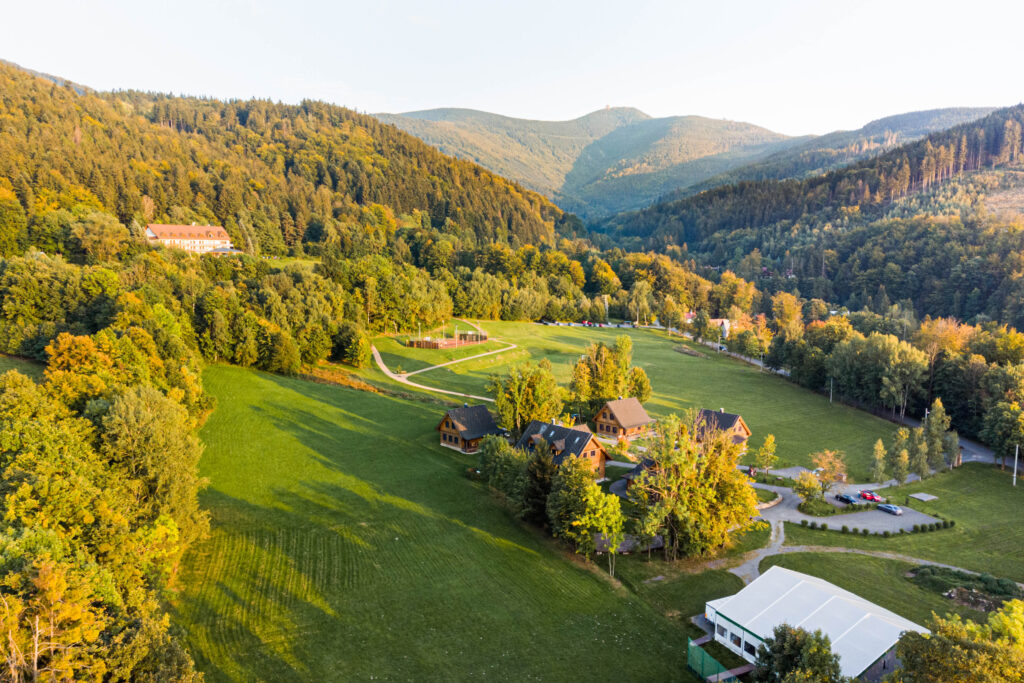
872 497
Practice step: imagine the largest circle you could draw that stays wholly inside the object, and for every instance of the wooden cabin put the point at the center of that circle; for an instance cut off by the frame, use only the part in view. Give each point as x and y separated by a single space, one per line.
463 428
565 442
623 418
730 423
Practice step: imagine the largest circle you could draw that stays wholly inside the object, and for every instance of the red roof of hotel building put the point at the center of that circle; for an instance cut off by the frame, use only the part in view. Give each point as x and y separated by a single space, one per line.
188 232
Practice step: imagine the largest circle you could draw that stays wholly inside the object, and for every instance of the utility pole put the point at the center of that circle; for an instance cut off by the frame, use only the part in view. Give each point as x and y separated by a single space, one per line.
1017 452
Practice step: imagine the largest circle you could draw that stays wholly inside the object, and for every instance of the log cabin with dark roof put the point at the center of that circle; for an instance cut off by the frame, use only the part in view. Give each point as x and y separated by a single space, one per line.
463 428
730 423
623 418
565 442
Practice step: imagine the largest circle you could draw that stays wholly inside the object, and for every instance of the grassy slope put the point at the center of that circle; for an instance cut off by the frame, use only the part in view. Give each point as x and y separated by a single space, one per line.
22 365
803 422
400 357
988 535
347 545
879 580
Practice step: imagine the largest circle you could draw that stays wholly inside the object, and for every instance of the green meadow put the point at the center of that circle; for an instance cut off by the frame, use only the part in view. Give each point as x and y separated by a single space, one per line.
802 421
348 545
22 365
979 497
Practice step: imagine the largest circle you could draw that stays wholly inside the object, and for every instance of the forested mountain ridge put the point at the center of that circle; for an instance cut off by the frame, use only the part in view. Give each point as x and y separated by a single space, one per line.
620 159
274 175
538 154
909 225
827 152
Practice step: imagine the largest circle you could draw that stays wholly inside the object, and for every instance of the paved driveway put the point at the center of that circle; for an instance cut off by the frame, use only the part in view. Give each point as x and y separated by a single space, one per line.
874 521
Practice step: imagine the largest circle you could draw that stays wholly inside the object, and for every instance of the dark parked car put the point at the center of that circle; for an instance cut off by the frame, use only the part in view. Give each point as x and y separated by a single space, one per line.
844 498
891 509
871 495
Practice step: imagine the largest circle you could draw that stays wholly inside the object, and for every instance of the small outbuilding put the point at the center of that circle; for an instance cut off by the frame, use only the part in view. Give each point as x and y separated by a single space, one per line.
623 418
565 442
463 428
863 634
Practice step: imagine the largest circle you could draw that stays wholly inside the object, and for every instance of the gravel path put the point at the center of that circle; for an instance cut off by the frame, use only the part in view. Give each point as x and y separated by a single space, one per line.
404 377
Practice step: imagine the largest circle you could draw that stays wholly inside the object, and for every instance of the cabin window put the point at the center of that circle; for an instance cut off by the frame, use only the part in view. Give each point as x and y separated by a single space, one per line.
735 639
749 649
721 630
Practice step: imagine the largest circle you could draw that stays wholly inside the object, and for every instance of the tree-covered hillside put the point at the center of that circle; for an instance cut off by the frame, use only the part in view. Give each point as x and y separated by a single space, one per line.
908 225
824 153
274 175
610 160
538 154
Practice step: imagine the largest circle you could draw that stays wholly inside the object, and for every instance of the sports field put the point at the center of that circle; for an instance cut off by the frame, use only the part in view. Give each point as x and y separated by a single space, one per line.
803 422
348 545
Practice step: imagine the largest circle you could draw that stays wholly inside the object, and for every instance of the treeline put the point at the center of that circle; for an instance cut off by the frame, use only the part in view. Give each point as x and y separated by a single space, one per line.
274 175
993 140
891 362
98 473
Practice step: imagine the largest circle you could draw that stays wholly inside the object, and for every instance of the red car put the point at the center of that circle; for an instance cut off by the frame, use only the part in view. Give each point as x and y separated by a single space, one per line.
871 495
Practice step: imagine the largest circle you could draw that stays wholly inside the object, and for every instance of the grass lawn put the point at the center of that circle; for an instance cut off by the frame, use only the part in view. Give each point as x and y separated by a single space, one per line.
988 536
399 357
803 422
22 365
879 580
765 496
348 545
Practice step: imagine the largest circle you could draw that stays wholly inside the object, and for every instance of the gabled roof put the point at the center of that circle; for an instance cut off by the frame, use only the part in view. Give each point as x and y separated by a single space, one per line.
629 412
566 440
473 422
721 421
187 232
860 631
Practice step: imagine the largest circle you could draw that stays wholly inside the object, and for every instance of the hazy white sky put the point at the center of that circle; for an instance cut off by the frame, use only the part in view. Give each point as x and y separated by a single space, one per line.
792 66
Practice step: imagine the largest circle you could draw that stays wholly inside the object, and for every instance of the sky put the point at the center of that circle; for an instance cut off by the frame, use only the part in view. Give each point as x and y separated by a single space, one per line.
796 67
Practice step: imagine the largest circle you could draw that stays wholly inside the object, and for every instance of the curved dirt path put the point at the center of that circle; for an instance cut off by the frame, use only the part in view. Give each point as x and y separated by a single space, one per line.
403 378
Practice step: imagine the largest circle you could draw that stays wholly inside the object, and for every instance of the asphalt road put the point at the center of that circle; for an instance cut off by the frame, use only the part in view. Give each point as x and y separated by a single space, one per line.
874 521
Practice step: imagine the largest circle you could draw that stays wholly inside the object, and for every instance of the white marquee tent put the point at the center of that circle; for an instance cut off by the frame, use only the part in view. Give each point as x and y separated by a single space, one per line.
862 633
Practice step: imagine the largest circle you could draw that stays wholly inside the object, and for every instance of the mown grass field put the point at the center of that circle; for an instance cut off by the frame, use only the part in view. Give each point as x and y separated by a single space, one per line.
988 536
399 357
348 545
22 365
879 580
803 422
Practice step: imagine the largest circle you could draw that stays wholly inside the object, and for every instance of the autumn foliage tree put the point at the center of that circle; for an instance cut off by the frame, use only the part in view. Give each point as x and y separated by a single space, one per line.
692 492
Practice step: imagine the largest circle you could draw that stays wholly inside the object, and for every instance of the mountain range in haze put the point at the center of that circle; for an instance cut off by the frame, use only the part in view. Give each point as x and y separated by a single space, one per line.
619 159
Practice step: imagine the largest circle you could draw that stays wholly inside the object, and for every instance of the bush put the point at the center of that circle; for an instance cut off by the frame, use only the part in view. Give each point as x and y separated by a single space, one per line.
814 525
803 522
952 522
864 532
945 524
824 527
856 530
845 529
917 528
